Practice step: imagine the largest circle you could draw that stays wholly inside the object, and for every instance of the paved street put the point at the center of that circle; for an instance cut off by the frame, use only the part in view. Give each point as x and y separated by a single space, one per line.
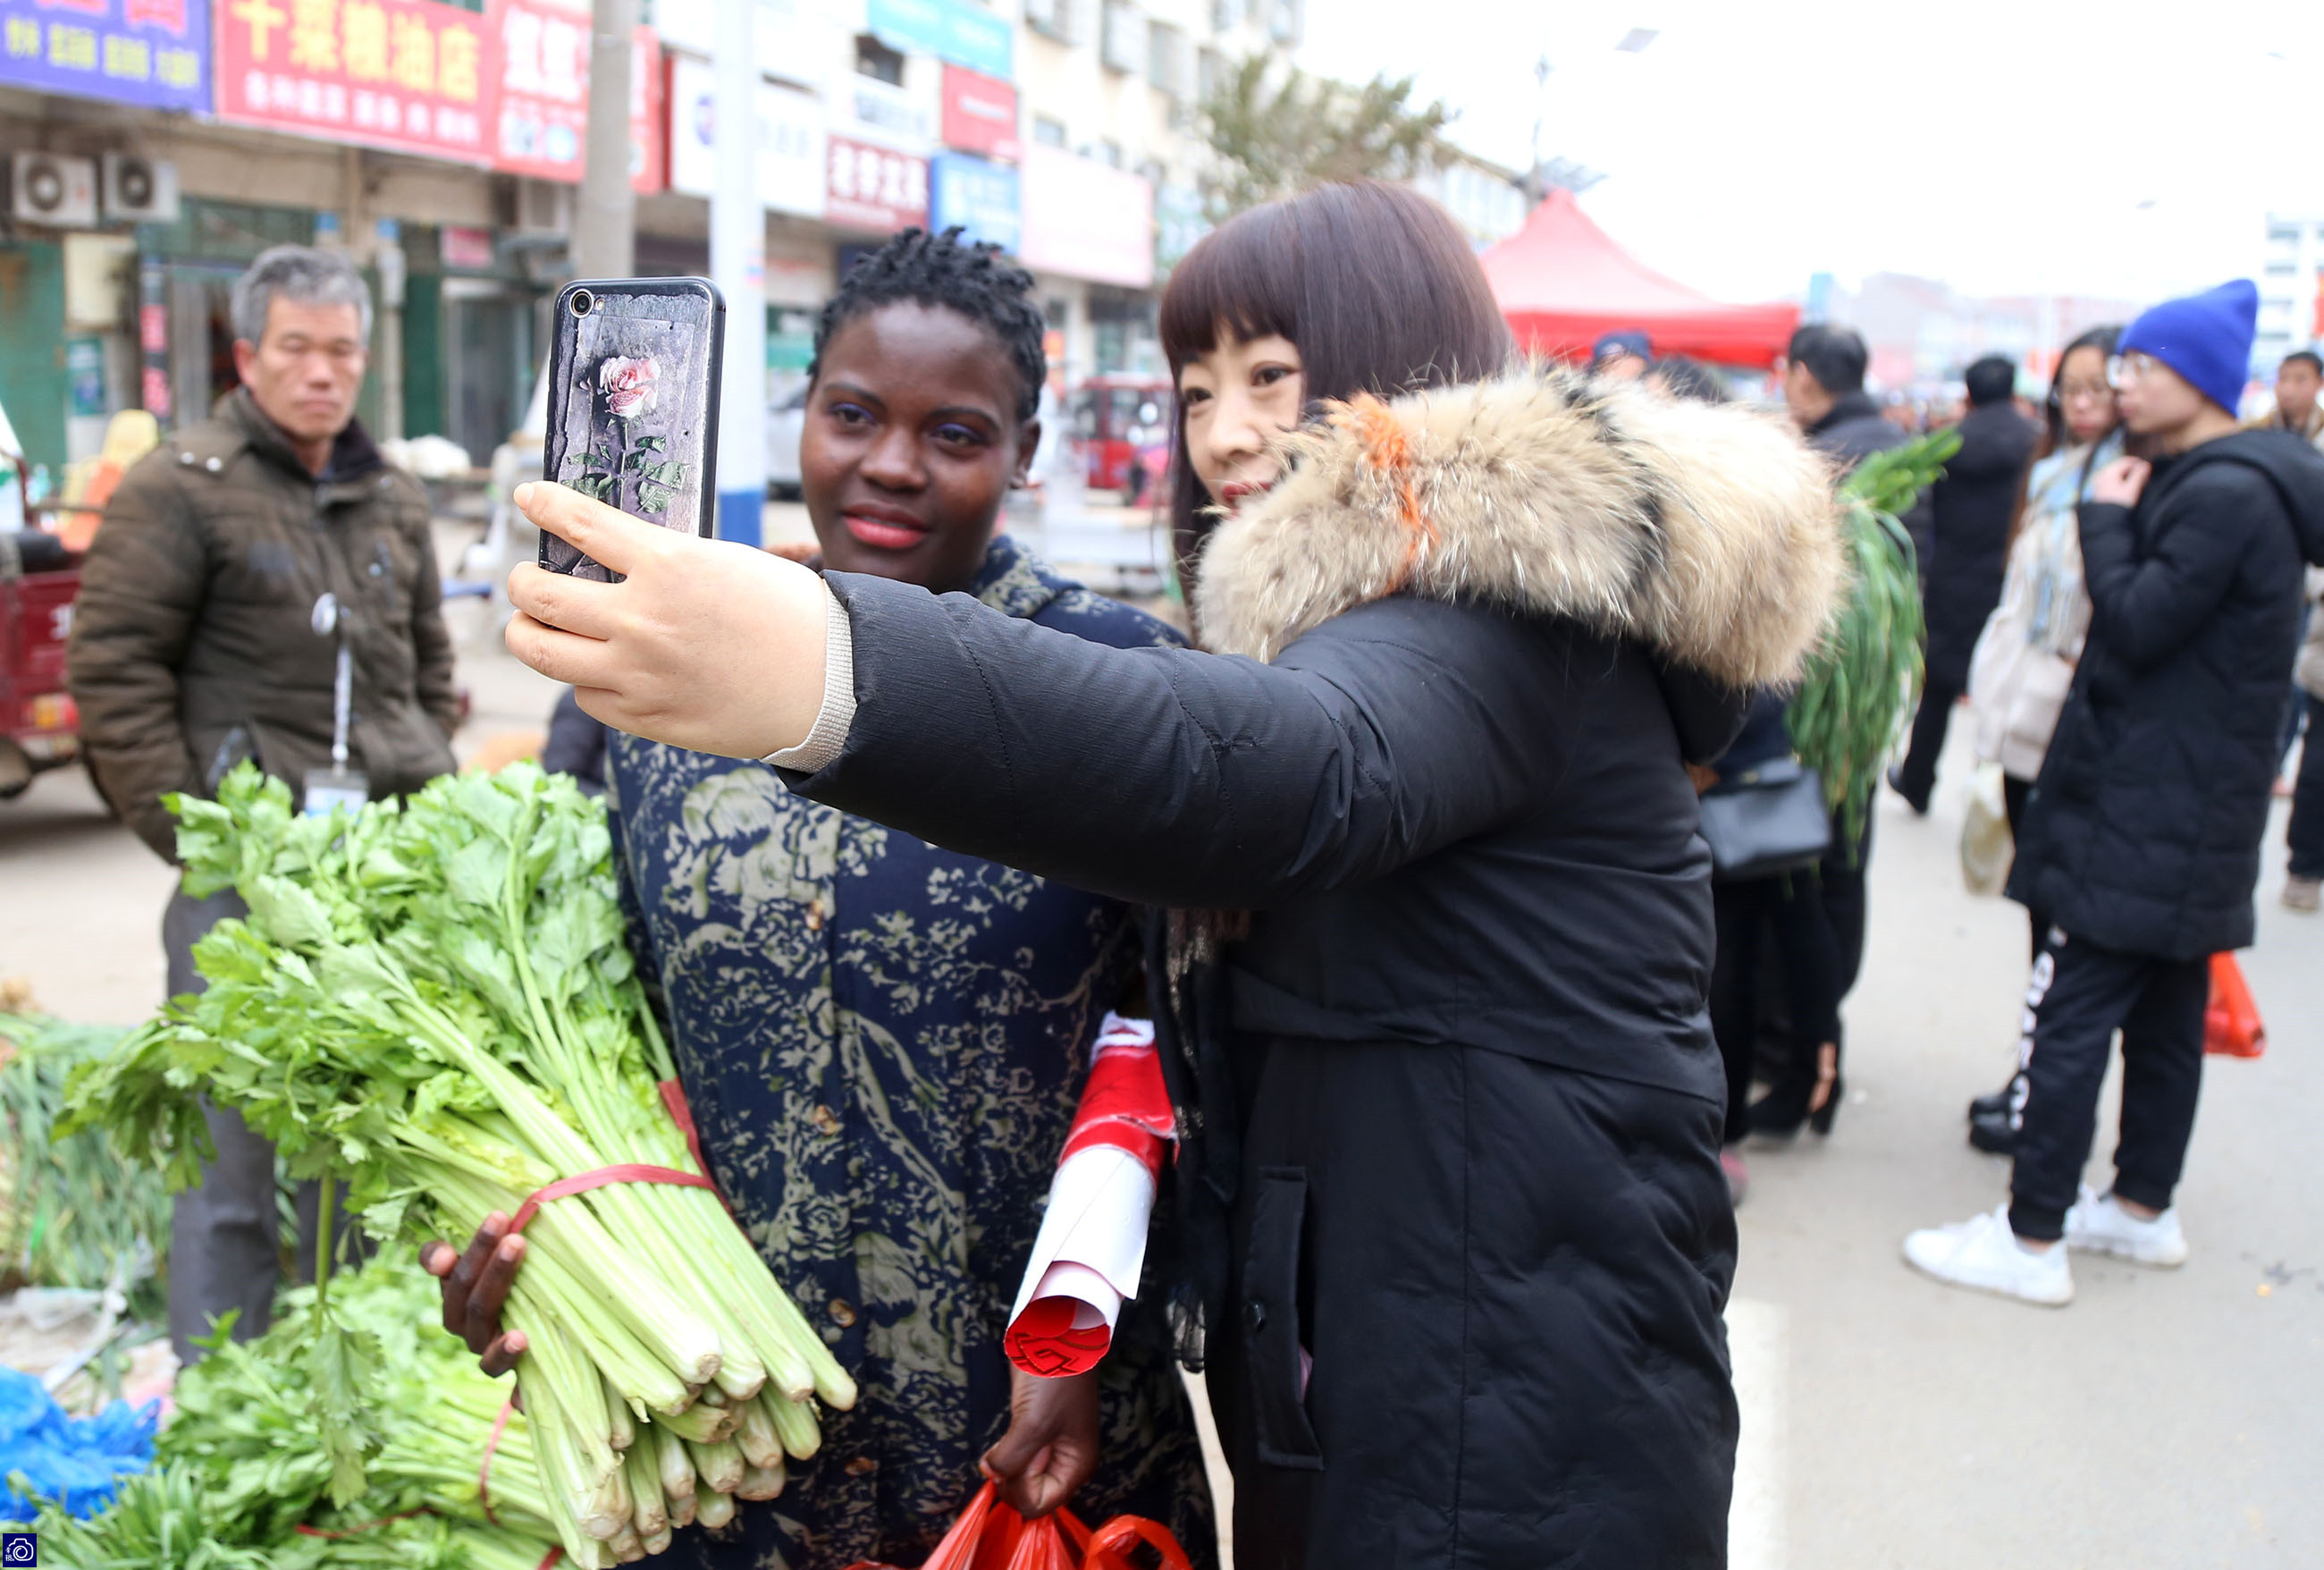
2164 1419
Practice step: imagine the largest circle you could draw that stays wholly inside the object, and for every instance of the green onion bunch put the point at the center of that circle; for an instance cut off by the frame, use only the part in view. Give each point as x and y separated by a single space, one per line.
1861 685
435 1002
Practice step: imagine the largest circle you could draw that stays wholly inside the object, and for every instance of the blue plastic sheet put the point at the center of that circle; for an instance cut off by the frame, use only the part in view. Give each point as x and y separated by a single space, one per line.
75 1461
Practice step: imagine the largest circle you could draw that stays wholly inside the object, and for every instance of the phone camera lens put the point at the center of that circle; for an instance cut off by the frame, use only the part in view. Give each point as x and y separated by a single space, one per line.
582 301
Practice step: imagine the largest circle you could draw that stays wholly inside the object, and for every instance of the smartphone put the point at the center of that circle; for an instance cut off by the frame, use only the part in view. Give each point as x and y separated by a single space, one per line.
634 404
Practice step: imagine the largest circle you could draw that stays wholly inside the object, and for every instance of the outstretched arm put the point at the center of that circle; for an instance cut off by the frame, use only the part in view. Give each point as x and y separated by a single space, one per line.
1155 775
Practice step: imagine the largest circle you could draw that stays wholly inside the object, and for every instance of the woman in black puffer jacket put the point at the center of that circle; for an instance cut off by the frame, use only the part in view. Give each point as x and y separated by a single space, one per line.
1455 1231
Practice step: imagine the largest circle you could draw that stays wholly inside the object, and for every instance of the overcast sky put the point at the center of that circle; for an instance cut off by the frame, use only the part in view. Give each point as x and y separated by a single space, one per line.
2005 147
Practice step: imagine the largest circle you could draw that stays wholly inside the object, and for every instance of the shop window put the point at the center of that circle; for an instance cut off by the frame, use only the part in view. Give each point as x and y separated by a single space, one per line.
1167 64
1122 43
1048 132
877 60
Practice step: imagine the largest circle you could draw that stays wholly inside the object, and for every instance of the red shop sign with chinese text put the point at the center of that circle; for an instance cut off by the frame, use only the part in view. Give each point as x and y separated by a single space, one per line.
874 188
543 114
980 114
648 150
410 75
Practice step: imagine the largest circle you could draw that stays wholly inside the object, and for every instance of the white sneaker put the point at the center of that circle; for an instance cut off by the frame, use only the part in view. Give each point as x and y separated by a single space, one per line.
1984 1254
2098 1225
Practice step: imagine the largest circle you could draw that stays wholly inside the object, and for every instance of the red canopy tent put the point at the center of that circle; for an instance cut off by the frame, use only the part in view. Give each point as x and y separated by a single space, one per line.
1563 282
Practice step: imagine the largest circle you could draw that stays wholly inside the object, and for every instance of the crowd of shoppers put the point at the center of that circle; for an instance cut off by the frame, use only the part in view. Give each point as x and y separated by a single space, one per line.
1402 853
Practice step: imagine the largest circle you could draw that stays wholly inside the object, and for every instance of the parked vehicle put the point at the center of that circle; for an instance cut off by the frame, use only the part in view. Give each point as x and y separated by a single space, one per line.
1117 418
39 723
786 421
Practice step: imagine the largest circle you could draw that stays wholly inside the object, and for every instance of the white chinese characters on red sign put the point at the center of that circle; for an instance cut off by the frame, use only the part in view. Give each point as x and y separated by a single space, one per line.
875 188
408 74
544 80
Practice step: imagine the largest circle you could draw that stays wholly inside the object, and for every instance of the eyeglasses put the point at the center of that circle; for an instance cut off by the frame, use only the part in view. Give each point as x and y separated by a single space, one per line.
2084 392
2123 369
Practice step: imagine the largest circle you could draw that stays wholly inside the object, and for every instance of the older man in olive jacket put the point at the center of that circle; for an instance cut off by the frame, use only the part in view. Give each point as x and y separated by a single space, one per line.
233 565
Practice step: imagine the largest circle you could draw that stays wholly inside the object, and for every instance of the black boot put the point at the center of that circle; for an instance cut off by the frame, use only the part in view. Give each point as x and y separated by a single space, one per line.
1781 1113
1995 1106
1994 1133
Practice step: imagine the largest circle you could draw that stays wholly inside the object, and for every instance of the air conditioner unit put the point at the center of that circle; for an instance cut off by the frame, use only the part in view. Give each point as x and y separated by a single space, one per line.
47 188
139 189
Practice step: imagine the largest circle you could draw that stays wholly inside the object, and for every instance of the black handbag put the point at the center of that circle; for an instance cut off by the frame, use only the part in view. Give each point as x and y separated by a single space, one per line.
1767 820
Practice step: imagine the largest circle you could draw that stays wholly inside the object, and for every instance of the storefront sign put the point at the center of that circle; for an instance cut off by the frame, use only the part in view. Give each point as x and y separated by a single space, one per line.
1086 219
151 52
464 248
875 188
951 30
980 195
410 75
886 113
543 115
649 148
85 377
790 140
980 114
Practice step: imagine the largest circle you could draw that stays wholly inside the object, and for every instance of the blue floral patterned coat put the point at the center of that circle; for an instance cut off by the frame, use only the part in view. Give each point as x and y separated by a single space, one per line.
884 1043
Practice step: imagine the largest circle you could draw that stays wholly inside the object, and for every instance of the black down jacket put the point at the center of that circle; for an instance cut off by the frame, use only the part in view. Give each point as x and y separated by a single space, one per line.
1969 508
2143 832
1446 1086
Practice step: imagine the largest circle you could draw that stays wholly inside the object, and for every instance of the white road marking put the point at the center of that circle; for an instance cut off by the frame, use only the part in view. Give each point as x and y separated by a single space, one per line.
1758 1345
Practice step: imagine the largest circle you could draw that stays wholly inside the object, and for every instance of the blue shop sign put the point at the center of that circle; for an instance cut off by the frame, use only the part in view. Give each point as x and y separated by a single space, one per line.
954 30
978 195
155 54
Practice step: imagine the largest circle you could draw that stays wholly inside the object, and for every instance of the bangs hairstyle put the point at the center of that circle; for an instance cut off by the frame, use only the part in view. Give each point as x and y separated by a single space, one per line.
1373 283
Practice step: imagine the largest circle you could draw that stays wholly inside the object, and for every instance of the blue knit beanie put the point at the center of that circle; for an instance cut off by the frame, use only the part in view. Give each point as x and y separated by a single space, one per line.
2206 338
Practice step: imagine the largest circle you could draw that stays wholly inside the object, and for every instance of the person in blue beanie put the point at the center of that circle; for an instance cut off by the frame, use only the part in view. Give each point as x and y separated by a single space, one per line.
2142 834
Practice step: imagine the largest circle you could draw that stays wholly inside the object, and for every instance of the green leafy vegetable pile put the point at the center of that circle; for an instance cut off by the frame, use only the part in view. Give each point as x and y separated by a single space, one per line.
434 1000
74 1212
239 1470
1860 686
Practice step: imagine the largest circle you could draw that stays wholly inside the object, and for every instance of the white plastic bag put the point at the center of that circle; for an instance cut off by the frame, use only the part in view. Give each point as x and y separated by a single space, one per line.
1987 849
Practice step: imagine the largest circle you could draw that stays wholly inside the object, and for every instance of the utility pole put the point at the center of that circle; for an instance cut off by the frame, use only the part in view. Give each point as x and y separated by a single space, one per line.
605 222
738 266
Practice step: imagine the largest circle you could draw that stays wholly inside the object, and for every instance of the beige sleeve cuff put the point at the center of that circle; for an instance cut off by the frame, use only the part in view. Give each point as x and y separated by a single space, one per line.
828 738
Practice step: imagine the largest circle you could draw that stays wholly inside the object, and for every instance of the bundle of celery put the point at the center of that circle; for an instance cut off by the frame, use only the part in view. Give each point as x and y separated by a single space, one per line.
435 1002
241 1482
1861 685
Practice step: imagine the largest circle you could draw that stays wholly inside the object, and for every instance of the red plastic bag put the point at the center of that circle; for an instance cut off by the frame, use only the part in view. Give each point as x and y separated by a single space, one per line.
2231 1023
990 1535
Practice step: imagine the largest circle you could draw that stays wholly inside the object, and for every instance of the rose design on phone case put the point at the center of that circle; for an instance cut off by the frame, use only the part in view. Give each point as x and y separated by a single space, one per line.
628 386
625 468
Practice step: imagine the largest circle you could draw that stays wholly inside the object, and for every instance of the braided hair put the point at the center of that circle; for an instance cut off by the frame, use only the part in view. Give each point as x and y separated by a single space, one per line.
974 280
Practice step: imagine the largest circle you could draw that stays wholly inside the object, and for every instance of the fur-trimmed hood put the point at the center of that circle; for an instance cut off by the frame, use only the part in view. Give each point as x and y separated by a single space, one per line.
1710 533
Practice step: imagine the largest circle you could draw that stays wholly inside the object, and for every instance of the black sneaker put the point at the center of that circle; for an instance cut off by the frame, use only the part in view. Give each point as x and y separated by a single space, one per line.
1993 1135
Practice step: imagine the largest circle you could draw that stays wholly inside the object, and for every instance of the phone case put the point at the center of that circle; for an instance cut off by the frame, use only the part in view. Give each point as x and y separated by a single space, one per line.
634 404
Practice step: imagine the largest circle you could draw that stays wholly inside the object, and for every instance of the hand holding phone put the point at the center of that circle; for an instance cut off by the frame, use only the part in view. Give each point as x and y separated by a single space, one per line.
705 645
634 404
